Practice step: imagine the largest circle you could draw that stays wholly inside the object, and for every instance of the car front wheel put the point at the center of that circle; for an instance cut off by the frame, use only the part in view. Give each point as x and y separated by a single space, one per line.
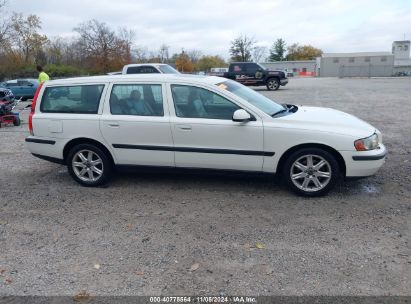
311 171
89 165
273 84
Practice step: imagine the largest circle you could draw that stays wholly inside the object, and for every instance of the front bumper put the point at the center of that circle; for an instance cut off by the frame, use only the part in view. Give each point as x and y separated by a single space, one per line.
284 81
364 163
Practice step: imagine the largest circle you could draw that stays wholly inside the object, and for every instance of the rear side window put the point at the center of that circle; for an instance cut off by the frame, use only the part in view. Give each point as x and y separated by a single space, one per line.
141 70
251 68
137 99
82 99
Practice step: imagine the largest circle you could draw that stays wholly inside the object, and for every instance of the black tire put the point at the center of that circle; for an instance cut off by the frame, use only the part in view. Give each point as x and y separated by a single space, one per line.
106 166
273 84
317 183
17 121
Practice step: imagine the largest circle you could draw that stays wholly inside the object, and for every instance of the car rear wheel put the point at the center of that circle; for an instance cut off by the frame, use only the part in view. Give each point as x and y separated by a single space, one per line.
89 165
273 84
311 172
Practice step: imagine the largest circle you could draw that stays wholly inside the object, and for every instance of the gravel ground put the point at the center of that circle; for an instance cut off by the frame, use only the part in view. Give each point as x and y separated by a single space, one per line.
169 234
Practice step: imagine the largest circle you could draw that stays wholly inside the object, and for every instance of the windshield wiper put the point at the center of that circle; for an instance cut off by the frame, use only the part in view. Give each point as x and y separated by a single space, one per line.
281 111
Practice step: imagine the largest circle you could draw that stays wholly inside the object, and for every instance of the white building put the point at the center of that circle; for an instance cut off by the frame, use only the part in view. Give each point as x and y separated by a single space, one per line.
402 60
362 64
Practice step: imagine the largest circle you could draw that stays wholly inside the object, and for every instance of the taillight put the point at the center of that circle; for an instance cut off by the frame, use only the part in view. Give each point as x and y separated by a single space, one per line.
33 108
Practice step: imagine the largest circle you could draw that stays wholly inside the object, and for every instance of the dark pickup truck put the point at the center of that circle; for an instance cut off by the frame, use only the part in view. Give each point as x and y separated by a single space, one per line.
253 74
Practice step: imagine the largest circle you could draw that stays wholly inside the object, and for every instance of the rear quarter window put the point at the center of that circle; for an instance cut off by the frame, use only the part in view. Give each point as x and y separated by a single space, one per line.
80 99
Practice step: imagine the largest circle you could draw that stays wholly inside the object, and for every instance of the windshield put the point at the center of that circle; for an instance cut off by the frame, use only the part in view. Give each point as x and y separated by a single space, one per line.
166 69
256 99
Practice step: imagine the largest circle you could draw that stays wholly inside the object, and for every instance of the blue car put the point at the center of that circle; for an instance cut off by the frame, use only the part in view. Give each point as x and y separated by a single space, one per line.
21 88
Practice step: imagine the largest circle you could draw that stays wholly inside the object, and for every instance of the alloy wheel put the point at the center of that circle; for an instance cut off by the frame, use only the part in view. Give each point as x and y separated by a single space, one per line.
273 84
87 165
310 173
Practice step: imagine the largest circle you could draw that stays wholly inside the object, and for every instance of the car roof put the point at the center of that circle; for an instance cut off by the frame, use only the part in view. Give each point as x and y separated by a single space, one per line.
139 77
139 64
20 79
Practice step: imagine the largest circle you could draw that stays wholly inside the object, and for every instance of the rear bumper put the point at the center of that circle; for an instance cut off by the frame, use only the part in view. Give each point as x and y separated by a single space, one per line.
46 148
361 164
50 159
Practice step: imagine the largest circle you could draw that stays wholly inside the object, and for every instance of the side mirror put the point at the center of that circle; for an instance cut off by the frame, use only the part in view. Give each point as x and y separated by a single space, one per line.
241 116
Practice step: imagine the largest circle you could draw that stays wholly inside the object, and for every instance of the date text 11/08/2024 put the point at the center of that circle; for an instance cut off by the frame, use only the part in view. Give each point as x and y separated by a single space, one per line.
203 299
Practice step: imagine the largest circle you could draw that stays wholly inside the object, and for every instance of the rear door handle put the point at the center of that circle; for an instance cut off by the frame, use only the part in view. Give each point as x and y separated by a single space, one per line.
113 124
184 127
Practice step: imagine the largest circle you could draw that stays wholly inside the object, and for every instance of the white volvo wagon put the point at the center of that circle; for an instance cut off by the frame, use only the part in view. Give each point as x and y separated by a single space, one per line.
94 124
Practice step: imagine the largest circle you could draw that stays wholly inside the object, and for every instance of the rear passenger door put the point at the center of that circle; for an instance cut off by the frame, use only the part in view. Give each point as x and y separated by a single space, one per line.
251 72
136 124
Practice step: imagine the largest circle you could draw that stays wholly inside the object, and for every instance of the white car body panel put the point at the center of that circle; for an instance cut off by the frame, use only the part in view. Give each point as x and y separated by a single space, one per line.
138 130
309 125
201 134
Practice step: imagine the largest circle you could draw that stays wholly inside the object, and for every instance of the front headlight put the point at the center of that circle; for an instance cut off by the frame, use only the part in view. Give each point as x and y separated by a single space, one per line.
366 144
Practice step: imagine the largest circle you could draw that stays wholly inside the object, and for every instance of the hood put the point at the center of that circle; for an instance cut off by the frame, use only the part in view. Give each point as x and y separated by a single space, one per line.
275 72
328 120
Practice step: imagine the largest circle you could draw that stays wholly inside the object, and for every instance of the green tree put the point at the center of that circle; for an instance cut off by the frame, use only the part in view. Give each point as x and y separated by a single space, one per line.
241 48
207 62
305 52
277 51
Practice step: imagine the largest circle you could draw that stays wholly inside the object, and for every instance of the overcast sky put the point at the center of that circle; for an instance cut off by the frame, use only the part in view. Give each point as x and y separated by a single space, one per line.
210 25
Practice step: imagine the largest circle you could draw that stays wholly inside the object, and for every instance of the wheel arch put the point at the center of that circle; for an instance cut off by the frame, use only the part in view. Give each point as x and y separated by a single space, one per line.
271 77
85 140
329 149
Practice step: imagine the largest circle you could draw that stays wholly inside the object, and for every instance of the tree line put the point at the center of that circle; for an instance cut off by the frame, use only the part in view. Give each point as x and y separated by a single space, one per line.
245 48
98 49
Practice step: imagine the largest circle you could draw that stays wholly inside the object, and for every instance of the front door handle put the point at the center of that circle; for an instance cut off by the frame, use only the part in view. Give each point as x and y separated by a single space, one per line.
113 124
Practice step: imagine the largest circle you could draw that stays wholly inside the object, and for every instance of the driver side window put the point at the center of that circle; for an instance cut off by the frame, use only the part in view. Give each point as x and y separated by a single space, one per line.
195 102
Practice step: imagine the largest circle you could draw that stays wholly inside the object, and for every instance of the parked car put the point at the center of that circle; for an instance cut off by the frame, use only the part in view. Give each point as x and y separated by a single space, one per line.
6 95
115 73
21 88
149 68
218 71
254 74
184 121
